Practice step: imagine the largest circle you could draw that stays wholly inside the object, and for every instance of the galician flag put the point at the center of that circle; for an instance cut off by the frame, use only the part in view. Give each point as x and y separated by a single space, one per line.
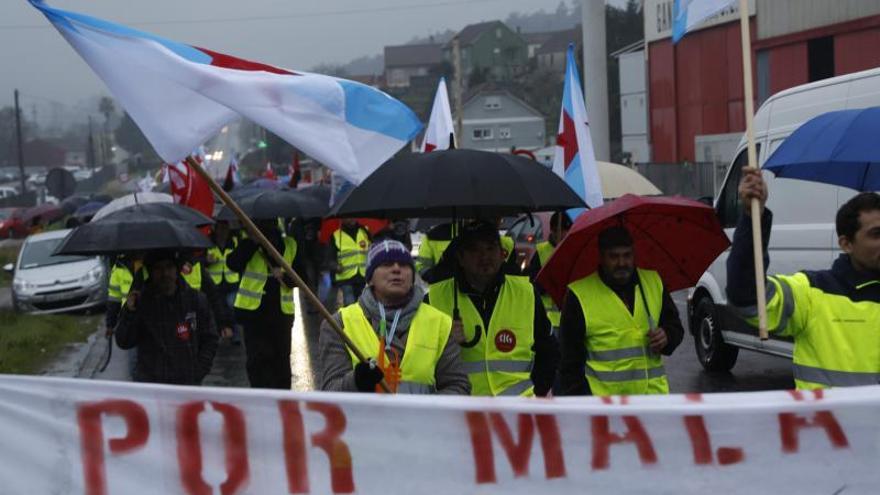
181 95
687 14
575 160
440 125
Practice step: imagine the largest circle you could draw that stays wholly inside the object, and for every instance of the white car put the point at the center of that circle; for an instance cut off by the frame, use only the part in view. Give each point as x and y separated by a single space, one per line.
43 283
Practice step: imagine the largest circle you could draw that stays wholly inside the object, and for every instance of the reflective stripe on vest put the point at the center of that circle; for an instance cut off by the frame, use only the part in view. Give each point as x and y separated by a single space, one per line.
352 255
831 378
491 370
194 277
425 341
545 250
253 280
219 270
619 360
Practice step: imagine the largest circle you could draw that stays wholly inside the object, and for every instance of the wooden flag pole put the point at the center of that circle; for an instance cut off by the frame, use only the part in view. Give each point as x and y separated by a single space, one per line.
757 243
258 236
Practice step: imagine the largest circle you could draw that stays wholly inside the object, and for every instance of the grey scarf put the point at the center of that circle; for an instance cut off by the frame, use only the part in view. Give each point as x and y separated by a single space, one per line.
371 309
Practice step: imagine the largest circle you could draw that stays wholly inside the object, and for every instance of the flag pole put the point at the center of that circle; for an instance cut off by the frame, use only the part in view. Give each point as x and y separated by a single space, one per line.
258 236
754 205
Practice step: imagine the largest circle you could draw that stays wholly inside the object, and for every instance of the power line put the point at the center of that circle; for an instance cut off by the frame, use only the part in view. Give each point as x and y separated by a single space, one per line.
220 20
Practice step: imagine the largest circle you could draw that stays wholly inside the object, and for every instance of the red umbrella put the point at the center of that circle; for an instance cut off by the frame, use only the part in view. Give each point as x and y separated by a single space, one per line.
677 237
331 225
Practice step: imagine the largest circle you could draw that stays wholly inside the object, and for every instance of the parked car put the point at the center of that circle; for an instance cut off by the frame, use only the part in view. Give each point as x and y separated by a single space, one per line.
13 226
8 192
527 231
803 235
43 283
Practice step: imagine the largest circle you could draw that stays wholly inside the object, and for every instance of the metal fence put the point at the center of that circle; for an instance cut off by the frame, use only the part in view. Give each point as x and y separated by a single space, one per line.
689 179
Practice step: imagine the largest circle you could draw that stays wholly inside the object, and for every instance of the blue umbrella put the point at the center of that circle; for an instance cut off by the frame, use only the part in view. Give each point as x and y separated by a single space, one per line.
840 148
88 209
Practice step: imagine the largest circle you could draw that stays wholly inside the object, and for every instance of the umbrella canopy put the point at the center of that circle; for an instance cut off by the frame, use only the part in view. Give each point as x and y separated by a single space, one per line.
677 237
284 203
88 209
618 180
840 148
457 183
71 204
131 231
132 199
170 211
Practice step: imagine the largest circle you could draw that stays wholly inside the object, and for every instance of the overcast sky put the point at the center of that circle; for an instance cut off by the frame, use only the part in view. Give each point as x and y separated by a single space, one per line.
293 34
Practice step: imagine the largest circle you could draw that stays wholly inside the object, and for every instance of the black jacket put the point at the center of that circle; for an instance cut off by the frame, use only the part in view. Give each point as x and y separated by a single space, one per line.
175 336
546 348
572 380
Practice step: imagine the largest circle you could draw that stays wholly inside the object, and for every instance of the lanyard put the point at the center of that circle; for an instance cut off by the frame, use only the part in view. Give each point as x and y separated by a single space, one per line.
383 325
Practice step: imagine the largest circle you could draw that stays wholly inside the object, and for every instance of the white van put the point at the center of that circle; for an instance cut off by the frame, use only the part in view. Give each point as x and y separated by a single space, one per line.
803 235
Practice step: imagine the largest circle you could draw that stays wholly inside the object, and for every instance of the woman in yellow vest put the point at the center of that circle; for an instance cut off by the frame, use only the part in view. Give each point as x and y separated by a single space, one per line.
507 347
615 324
409 342
264 306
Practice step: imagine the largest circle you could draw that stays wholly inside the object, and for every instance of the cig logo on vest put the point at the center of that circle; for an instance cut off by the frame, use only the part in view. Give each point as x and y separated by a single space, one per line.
505 341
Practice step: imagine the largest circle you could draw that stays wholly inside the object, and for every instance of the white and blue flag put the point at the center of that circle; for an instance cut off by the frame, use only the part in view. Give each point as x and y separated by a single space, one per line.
688 14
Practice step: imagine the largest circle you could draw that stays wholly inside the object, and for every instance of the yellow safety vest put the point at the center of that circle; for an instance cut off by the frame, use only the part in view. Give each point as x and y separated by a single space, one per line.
194 277
352 255
430 252
836 339
119 284
619 359
501 361
545 250
219 270
507 245
253 280
425 341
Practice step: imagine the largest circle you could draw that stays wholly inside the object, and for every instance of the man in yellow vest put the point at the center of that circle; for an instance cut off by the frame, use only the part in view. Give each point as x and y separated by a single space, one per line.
349 244
224 278
507 347
419 355
832 315
560 223
264 306
615 324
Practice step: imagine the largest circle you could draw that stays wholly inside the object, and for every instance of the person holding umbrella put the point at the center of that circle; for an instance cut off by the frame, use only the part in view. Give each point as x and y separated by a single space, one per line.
169 323
264 306
507 345
411 342
350 244
833 314
610 342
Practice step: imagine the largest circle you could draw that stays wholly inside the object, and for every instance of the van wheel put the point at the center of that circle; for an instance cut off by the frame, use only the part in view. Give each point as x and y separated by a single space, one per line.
714 354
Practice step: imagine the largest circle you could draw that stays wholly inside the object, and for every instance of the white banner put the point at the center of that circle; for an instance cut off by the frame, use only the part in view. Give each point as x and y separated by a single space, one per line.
77 436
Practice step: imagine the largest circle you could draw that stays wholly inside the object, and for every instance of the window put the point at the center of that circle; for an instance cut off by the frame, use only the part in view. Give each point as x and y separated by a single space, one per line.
728 205
498 33
762 64
492 103
504 133
482 133
820 58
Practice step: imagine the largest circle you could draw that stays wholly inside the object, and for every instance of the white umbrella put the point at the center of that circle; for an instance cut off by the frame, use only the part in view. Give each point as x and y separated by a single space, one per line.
132 199
618 180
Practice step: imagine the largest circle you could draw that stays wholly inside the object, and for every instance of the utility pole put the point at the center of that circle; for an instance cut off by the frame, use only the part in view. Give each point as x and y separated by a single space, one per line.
18 140
457 89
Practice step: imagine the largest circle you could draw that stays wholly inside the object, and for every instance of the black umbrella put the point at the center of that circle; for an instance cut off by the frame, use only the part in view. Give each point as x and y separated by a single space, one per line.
286 203
131 232
169 211
71 203
457 184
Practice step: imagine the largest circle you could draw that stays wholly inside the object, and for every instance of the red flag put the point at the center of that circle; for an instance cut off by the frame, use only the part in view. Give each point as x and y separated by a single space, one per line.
190 189
269 174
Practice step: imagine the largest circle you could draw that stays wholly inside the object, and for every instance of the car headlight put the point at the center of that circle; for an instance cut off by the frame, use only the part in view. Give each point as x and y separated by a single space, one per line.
21 285
92 277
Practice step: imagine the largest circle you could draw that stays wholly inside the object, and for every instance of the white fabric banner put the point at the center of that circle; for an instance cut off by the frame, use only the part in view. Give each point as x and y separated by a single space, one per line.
79 436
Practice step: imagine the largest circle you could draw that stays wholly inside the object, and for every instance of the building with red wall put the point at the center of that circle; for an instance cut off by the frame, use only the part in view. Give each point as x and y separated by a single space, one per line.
695 87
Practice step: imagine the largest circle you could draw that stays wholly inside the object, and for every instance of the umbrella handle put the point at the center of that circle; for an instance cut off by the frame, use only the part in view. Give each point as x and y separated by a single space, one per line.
478 331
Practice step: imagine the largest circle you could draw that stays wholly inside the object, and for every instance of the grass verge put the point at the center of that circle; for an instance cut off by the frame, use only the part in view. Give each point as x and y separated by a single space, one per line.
29 342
